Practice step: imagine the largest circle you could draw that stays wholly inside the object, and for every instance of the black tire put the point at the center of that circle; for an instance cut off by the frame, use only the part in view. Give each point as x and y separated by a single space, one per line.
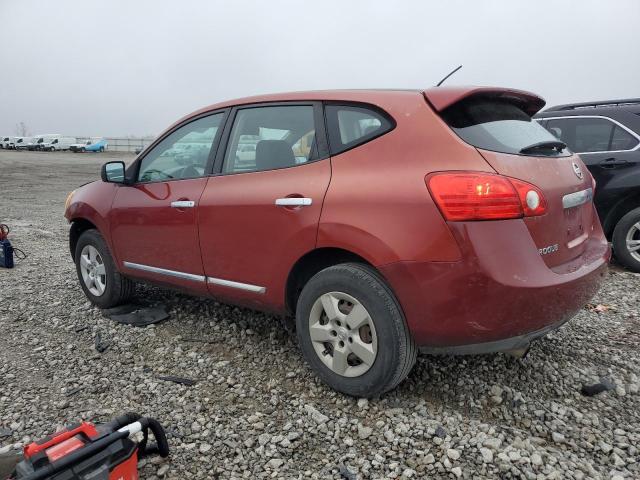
119 289
622 253
396 350
101 149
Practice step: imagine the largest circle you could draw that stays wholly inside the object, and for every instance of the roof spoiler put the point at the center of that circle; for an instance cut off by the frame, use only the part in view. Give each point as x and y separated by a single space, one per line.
442 97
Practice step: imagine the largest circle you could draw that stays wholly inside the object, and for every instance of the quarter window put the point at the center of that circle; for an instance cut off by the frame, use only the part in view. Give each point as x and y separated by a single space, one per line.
350 126
584 135
183 153
267 138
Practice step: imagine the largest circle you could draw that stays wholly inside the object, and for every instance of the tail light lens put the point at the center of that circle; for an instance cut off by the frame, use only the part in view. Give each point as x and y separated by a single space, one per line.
484 196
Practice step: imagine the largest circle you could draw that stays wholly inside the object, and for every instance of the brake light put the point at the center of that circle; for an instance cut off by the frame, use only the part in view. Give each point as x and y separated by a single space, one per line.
484 196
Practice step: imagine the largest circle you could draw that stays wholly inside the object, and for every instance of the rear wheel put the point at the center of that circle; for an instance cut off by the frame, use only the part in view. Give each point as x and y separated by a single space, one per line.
626 240
101 282
101 149
352 331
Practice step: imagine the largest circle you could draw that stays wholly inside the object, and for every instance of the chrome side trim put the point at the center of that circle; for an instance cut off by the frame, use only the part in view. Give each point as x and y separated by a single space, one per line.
241 286
293 202
624 127
197 278
577 198
163 271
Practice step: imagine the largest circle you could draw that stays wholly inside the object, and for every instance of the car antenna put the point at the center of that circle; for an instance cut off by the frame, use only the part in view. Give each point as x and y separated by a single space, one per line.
452 72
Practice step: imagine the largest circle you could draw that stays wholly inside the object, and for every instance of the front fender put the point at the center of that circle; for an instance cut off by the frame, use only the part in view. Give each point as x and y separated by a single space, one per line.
92 203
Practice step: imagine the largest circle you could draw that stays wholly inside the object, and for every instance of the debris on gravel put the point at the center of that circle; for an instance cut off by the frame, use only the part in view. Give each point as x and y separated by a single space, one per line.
258 412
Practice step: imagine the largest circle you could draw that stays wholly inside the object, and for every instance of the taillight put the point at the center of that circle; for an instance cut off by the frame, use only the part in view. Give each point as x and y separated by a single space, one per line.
484 196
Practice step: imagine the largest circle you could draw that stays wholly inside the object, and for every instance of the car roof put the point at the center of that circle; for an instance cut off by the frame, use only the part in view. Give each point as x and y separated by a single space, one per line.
439 97
631 105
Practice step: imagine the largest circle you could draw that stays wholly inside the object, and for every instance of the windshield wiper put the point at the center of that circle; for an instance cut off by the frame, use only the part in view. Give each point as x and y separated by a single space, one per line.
546 145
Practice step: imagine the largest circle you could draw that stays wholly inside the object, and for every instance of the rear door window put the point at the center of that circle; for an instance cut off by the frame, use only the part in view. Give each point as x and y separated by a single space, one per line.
268 138
498 125
591 134
350 125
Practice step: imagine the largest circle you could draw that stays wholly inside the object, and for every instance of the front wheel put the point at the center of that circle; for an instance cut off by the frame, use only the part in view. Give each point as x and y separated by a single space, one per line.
626 240
352 331
101 282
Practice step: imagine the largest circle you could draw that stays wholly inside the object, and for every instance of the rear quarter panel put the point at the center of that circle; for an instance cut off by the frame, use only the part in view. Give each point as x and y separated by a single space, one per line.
378 204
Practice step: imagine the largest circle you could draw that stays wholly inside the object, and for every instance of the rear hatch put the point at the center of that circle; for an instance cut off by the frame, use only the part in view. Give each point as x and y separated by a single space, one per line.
497 122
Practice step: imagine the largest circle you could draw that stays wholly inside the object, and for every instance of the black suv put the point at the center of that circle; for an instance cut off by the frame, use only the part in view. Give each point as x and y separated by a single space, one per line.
606 135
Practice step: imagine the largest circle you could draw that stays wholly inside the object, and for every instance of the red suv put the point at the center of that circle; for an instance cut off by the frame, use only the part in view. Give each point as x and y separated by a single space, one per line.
443 220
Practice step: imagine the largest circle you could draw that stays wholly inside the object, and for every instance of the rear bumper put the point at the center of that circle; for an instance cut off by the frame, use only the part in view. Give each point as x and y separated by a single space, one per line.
500 296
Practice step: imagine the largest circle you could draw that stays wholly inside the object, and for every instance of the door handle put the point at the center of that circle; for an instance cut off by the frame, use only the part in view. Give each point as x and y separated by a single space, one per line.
294 202
183 204
612 163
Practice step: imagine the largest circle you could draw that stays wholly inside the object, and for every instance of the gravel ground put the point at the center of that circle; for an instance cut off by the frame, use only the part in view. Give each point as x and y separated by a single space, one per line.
257 411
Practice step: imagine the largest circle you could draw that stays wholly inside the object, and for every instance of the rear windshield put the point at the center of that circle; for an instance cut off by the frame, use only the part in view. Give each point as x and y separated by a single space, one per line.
498 125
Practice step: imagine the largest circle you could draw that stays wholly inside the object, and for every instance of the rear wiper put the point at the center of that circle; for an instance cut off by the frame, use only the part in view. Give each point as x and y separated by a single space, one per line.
547 145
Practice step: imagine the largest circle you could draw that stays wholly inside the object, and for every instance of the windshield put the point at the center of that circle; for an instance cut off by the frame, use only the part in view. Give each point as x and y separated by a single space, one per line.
499 125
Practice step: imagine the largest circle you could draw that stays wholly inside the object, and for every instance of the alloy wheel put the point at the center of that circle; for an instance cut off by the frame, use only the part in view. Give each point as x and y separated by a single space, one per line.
93 270
633 241
343 334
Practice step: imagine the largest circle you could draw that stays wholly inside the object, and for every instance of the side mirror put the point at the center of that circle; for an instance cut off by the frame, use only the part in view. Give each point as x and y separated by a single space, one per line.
113 172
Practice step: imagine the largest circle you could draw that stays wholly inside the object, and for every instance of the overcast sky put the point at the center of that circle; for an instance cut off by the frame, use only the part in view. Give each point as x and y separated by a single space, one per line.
118 67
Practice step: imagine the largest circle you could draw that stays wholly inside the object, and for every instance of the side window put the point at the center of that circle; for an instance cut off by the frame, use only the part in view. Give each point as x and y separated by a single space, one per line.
584 135
266 138
352 125
183 153
622 140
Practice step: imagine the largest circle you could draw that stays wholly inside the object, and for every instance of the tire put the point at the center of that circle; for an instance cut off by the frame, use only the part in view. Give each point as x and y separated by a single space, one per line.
626 235
109 289
101 149
385 331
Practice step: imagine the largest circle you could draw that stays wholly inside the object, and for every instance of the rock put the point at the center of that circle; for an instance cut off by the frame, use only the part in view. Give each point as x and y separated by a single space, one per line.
536 459
557 437
605 447
453 454
364 432
162 471
264 438
318 417
204 447
487 455
429 459
492 443
457 471
363 403
275 463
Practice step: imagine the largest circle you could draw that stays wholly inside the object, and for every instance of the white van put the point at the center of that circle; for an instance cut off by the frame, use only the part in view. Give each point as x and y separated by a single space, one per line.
58 142
4 142
38 141
21 143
